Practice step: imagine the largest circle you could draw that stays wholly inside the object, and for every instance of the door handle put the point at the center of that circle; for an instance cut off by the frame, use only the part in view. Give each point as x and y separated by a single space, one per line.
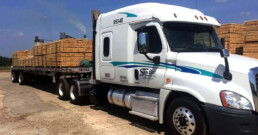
136 74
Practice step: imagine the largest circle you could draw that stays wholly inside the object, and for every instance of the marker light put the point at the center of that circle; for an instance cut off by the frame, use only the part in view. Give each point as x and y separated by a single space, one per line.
196 17
234 100
201 18
168 80
175 15
206 18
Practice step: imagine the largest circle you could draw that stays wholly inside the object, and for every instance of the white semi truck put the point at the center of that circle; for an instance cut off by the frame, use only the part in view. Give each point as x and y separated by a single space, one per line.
164 63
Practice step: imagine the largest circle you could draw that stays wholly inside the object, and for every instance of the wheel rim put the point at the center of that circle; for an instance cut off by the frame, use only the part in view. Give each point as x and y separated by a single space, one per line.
184 121
12 78
72 92
60 91
19 79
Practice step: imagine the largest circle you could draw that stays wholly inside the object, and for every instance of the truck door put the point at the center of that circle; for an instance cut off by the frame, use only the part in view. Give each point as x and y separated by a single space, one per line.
106 70
148 74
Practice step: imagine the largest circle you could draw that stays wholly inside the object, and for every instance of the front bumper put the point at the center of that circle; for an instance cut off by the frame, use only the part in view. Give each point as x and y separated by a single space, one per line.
227 121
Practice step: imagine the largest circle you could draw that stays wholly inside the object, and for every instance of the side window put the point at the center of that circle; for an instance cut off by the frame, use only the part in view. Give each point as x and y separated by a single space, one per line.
106 46
155 45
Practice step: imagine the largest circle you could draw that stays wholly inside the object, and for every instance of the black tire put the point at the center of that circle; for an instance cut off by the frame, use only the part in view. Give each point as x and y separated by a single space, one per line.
193 119
62 89
74 93
14 77
21 79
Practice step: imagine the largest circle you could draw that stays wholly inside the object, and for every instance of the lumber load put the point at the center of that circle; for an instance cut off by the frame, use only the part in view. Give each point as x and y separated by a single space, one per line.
251 39
234 37
251 30
19 56
230 28
62 53
251 50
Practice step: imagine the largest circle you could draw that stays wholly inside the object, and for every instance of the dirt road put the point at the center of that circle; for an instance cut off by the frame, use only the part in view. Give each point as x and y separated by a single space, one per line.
35 109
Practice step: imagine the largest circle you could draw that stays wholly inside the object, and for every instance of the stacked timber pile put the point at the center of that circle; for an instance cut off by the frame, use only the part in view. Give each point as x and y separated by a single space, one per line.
18 57
62 53
67 52
234 37
251 39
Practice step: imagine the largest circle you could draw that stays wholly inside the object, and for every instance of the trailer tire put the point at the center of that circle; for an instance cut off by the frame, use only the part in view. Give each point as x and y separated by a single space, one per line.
21 79
184 116
62 89
74 93
14 77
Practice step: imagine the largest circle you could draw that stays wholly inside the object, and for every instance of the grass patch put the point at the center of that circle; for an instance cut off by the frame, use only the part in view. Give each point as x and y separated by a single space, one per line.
5 68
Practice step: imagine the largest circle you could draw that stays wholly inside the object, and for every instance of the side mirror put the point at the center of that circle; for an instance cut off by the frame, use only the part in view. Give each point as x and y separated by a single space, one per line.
156 60
143 42
222 40
224 53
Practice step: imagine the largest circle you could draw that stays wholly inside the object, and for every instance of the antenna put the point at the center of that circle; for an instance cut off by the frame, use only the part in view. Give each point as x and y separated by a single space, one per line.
195 4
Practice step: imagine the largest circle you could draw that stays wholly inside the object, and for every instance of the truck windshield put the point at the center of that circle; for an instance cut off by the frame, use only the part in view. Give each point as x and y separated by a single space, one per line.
186 37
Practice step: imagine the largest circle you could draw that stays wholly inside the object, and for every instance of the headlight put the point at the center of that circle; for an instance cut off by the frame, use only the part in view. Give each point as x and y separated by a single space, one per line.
234 100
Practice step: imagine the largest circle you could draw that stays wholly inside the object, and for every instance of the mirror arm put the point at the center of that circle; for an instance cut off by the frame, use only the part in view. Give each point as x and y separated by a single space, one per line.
145 54
227 75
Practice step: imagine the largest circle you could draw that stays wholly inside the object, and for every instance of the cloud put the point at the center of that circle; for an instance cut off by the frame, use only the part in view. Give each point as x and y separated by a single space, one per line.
20 34
221 1
244 13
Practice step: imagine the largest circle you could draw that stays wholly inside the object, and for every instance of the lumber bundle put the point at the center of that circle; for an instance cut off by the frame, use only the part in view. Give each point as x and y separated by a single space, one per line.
234 37
251 38
62 53
19 56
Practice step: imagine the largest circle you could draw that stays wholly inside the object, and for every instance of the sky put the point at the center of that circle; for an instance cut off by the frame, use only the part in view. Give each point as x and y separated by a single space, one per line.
22 20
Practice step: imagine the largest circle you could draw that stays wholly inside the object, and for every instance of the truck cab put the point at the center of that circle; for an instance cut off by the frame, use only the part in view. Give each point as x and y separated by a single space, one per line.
166 63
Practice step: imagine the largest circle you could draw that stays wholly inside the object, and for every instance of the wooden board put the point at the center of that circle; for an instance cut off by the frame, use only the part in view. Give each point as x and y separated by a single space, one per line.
254 22
252 36
251 50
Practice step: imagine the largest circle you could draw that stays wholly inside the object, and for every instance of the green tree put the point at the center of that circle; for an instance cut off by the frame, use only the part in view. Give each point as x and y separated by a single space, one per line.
4 61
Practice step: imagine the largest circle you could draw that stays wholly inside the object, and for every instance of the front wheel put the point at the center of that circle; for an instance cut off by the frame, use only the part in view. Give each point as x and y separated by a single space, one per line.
184 117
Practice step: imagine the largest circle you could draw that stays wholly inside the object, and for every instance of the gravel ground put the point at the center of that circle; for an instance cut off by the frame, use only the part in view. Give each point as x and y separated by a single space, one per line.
35 109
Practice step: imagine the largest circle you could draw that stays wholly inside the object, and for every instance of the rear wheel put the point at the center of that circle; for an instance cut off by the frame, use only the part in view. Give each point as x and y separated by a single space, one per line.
21 79
14 77
62 89
75 98
184 117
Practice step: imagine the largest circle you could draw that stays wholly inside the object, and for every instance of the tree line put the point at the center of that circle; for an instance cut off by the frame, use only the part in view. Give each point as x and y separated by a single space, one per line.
4 61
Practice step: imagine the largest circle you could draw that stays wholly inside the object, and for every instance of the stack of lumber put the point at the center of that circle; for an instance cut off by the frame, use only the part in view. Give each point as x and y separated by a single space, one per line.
62 53
234 37
68 52
18 57
251 39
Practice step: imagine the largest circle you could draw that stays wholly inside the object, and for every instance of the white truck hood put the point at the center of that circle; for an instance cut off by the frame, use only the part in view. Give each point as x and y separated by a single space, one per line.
212 61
